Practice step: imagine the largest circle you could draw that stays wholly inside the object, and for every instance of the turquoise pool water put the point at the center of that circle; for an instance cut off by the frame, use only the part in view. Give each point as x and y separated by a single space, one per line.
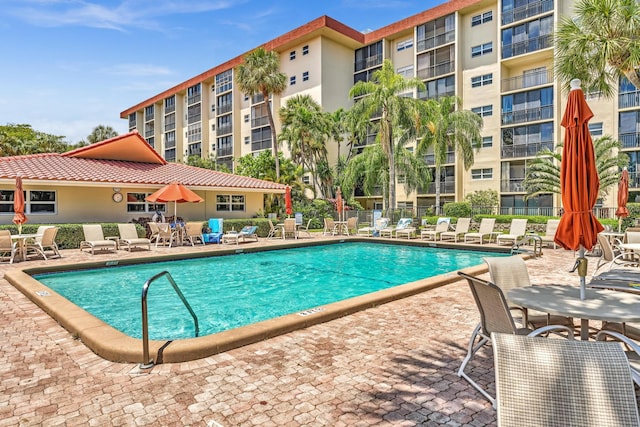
230 291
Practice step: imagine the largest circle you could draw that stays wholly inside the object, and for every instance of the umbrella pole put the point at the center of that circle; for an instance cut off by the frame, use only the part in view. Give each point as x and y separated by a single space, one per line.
619 224
581 265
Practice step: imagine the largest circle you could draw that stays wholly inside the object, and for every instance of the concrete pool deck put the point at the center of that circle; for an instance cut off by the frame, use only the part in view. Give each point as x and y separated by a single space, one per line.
394 364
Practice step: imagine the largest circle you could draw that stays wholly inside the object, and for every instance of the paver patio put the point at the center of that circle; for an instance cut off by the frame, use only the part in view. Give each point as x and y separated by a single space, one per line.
393 365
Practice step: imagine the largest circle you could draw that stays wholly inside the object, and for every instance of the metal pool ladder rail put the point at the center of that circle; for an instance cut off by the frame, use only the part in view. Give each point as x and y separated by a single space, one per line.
147 362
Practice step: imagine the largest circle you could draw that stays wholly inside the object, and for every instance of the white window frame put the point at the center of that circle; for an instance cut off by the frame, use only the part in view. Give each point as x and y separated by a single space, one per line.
8 203
487 141
305 76
305 50
596 129
483 80
148 206
481 49
484 111
482 18
292 80
404 44
481 174
231 203
292 55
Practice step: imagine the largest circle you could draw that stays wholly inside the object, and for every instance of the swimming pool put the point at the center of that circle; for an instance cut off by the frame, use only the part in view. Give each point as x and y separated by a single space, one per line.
396 259
232 291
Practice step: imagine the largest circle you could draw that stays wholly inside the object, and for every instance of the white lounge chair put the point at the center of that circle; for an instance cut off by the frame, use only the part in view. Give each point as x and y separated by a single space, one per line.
442 225
462 228
374 230
94 239
517 230
550 232
485 231
403 223
129 238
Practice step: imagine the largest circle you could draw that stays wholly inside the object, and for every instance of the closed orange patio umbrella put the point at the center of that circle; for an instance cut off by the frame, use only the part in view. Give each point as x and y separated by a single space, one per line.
287 201
176 193
339 203
623 195
579 183
19 217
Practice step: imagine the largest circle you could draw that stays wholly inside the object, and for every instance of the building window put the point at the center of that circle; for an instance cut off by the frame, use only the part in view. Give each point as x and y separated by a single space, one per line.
595 129
224 81
483 80
136 203
305 179
405 44
292 80
484 111
482 49
247 139
230 203
485 173
305 76
482 18
246 118
487 142
292 55
406 72
305 49
36 202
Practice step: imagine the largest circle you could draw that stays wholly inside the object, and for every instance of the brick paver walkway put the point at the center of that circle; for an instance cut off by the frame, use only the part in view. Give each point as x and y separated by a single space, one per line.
394 365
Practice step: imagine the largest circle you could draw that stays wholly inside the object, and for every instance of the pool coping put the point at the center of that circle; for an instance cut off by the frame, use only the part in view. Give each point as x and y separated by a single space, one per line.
115 346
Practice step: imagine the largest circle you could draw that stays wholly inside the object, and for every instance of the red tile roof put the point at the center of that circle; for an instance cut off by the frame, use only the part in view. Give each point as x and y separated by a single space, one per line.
124 170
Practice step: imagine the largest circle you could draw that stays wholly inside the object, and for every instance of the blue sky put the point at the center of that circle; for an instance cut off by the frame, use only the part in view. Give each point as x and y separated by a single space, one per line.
70 65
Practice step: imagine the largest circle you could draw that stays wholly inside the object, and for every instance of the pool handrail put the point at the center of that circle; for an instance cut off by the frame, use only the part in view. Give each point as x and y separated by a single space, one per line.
147 362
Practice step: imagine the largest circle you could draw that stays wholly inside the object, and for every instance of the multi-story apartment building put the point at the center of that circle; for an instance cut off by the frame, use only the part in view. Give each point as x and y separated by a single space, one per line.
496 55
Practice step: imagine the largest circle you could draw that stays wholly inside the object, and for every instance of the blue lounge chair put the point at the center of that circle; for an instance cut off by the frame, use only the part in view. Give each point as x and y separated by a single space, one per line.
215 233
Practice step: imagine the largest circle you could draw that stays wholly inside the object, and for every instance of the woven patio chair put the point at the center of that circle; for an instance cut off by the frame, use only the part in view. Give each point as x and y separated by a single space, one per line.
632 350
557 382
495 316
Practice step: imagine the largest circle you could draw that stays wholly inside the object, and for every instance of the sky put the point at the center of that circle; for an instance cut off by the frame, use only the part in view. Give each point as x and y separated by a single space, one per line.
70 65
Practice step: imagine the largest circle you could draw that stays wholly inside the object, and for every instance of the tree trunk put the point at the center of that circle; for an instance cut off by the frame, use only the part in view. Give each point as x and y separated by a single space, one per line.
437 184
274 137
633 77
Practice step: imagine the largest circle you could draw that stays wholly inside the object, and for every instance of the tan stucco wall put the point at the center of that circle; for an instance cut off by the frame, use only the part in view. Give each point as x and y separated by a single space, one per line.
95 204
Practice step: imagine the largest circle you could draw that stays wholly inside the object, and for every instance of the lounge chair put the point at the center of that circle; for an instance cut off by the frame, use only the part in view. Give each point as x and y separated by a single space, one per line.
517 230
45 239
511 272
193 232
304 228
94 239
403 223
7 246
247 233
441 226
553 382
215 231
290 228
129 238
613 256
495 316
550 232
485 231
374 230
462 228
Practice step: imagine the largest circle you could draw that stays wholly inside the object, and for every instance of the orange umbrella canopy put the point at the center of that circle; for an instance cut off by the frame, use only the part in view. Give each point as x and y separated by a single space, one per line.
176 193
623 194
287 201
19 217
579 182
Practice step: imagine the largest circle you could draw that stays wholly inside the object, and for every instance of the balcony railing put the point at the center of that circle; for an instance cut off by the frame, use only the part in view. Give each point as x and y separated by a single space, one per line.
529 80
512 185
259 122
527 46
169 126
194 99
634 179
435 41
524 150
430 159
224 108
224 129
528 115
261 145
371 61
446 187
629 140
359 192
227 151
527 11
627 100
437 70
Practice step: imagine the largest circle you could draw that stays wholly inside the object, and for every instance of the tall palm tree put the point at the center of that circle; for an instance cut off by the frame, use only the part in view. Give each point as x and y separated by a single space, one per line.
384 96
101 133
543 173
260 74
445 127
600 44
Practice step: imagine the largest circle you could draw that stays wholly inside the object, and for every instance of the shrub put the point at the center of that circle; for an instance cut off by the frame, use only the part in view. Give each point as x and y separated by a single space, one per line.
457 209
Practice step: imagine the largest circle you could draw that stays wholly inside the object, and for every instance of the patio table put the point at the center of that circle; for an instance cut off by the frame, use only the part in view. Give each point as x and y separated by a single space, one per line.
599 304
21 239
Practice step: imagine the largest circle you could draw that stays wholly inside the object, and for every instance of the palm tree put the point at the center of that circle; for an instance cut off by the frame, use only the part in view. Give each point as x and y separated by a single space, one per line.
101 133
382 97
543 173
305 128
445 127
260 74
600 44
